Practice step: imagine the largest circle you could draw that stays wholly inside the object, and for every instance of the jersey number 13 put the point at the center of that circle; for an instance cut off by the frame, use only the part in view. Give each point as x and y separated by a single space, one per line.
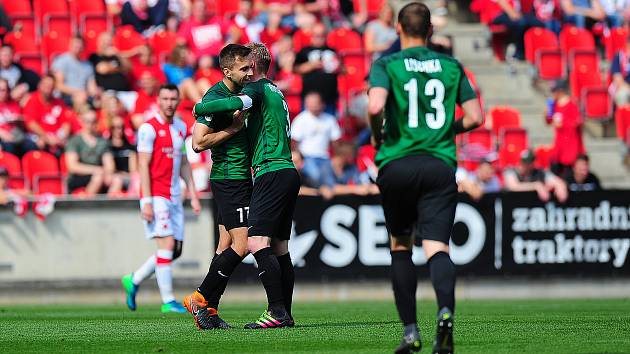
434 88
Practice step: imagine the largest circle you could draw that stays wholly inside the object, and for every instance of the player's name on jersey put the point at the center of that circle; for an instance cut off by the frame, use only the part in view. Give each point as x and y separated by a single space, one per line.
424 66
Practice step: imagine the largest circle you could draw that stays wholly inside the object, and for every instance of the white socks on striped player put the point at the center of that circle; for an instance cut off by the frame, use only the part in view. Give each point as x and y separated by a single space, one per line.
164 274
144 271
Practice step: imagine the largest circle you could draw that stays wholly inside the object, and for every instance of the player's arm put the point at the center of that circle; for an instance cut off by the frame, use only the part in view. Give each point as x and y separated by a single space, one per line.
240 102
469 102
186 174
377 98
146 137
205 138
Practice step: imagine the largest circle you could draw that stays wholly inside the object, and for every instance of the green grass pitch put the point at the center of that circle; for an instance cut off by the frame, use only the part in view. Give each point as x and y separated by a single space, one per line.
527 326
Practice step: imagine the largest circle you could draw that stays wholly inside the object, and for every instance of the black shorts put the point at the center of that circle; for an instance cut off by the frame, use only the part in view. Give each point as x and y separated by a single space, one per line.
78 181
273 203
232 197
419 191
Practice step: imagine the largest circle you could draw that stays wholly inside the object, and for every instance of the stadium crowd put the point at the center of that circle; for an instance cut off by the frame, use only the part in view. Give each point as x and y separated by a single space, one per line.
79 89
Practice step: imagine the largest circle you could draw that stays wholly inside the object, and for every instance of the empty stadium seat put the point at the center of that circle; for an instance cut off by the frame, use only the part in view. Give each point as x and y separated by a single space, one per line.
42 171
572 38
126 38
54 44
344 39
355 72
596 103
14 167
26 25
550 64
614 41
33 61
538 38
84 12
504 117
301 39
54 16
481 137
543 154
622 120
586 57
92 30
513 142
584 77
22 44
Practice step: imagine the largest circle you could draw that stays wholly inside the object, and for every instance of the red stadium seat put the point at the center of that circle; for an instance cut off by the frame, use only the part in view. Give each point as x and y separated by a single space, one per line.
614 41
513 142
54 44
498 40
127 38
622 121
14 167
575 38
63 167
22 44
162 42
587 57
504 117
355 72
17 7
42 171
538 38
33 61
584 77
26 25
543 155
550 64
86 11
597 103
53 16
93 27
481 137
294 101
372 6
344 39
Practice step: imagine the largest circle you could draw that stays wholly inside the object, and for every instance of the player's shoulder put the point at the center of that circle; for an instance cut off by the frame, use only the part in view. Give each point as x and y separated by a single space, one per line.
216 91
423 53
179 124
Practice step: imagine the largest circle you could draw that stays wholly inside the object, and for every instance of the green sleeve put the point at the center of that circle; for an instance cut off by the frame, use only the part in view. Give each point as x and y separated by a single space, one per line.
255 91
378 75
465 92
222 105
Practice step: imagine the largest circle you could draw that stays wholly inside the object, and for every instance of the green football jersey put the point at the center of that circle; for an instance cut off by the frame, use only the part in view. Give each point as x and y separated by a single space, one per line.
232 158
268 127
424 88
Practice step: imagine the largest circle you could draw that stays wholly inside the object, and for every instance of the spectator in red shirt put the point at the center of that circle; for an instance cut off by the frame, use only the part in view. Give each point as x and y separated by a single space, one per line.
565 117
145 61
206 74
273 32
146 103
47 118
203 32
12 136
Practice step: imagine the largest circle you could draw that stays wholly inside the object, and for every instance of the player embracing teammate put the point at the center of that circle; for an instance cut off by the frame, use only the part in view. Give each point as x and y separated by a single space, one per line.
411 105
275 190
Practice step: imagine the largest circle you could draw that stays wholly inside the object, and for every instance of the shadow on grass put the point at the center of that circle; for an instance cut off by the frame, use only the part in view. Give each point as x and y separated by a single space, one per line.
346 324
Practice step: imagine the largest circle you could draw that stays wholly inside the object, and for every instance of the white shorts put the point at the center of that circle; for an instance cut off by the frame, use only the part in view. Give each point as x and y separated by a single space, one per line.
168 219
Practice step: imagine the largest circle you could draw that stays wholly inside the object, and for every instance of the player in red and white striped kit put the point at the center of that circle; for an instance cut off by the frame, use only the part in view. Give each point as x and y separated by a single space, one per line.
161 162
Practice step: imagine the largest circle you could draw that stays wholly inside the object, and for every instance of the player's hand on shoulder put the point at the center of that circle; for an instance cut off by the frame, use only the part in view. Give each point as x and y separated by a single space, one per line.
238 121
147 212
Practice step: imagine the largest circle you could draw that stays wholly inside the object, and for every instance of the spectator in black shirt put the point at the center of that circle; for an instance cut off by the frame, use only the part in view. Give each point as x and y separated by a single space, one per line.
110 68
124 153
319 66
525 178
145 19
580 178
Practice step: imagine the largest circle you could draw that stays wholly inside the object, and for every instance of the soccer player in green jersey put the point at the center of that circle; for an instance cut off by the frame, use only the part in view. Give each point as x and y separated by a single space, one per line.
276 185
415 92
231 183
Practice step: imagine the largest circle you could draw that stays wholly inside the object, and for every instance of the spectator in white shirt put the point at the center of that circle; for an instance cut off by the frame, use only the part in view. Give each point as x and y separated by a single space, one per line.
314 130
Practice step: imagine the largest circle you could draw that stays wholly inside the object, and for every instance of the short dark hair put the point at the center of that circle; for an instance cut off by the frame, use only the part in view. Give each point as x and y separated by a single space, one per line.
169 87
230 52
583 157
261 56
7 45
415 20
